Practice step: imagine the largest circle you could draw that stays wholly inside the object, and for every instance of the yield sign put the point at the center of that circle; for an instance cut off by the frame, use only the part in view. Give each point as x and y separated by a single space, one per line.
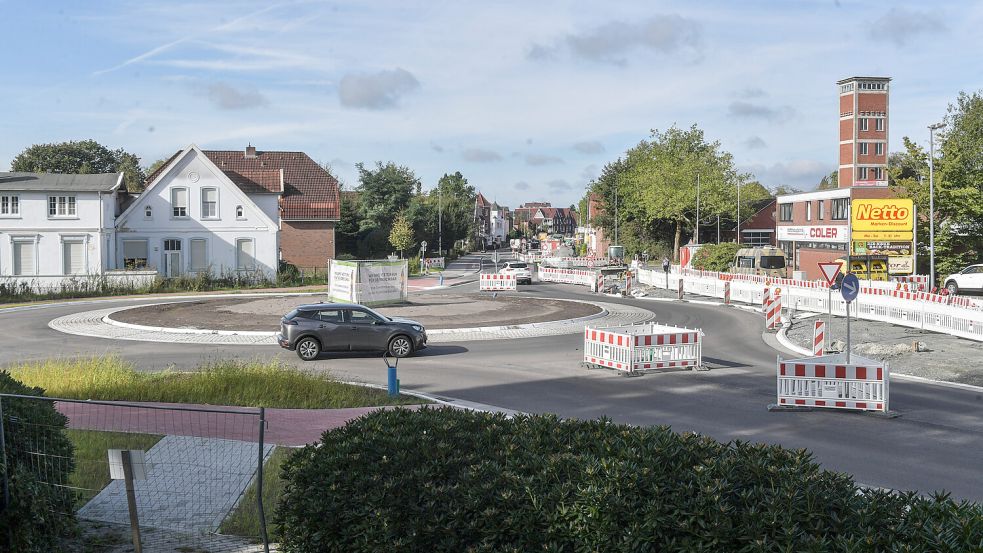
830 269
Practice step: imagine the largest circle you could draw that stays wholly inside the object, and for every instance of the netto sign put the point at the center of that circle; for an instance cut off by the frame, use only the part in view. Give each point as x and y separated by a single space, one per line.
893 215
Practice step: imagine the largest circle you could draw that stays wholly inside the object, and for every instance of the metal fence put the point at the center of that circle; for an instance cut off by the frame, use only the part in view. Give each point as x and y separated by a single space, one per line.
203 484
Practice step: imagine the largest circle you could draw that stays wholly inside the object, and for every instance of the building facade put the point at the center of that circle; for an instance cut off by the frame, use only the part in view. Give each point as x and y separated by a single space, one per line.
864 126
58 226
193 218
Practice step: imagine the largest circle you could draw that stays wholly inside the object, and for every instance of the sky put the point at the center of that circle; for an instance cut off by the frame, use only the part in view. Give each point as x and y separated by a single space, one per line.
528 100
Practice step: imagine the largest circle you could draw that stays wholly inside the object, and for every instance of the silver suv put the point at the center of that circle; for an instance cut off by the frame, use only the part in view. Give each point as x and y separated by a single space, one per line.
311 329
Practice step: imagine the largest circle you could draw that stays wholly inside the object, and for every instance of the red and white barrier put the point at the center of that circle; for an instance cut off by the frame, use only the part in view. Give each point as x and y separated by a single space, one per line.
829 381
641 347
819 338
771 306
433 262
568 276
727 293
493 282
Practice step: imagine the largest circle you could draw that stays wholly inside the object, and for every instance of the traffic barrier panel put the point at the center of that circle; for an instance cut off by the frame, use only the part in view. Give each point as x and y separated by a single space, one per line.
568 276
727 292
434 262
492 282
641 347
828 381
819 338
682 288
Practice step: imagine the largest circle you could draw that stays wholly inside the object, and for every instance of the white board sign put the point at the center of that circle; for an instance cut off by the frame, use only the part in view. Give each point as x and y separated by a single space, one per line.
341 286
138 461
382 282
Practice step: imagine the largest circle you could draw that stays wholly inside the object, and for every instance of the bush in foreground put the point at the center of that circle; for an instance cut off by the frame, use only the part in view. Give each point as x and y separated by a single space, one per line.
450 480
715 257
37 460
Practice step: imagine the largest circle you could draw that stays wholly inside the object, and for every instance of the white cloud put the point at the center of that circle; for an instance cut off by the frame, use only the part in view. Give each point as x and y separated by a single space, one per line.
754 143
521 185
479 155
613 41
559 185
748 110
589 147
542 159
901 25
225 96
380 90
803 174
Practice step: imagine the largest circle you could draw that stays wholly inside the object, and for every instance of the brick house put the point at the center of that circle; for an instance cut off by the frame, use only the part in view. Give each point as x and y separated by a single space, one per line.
309 205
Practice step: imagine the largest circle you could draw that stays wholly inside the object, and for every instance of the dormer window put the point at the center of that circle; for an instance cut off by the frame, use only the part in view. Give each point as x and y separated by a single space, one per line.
148 212
239 212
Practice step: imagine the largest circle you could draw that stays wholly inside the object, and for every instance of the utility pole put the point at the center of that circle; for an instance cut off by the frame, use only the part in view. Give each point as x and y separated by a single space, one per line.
738 212
696 230
617 180
440 222
931 204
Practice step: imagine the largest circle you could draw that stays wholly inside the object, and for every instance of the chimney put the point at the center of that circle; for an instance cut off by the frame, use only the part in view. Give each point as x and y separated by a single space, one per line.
250 151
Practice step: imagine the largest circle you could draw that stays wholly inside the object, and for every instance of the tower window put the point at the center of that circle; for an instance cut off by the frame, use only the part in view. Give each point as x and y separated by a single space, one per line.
862 123
879 124
863 148
879 148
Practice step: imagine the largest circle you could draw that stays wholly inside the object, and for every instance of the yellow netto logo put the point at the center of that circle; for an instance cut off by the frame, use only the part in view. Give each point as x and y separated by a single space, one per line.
884 215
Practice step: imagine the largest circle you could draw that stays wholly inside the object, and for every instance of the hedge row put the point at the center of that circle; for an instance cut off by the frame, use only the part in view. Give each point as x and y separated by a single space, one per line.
451 480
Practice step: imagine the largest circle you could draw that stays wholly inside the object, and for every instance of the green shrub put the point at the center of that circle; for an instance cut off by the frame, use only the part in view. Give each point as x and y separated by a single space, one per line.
413 265
452 480
345 257
39 459
716 257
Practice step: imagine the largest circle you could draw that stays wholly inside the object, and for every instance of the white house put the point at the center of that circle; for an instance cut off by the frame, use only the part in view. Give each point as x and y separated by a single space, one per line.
193 217
54 226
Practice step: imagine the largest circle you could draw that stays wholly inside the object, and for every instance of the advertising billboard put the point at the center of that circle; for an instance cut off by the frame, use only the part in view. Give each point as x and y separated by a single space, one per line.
885 215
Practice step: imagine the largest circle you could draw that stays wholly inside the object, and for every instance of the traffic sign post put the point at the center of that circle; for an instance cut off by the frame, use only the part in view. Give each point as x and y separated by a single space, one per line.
849 289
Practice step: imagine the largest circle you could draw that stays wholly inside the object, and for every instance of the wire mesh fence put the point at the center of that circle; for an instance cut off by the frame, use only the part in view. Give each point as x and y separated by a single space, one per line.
203 467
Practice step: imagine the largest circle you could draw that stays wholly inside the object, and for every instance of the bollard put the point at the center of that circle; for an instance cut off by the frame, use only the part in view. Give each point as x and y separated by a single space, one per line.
440 279
680 292
727 292
393 382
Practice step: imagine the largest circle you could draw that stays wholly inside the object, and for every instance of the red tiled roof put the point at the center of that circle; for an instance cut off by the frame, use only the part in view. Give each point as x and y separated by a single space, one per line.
309 192
266 181
482 201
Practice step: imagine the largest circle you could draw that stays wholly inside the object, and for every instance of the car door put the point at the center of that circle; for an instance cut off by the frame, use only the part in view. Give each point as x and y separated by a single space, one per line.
369 333
332 330
974 280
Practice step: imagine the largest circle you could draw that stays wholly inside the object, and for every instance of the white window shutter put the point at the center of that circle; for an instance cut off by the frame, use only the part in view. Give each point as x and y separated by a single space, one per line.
199 261
74 257
24 258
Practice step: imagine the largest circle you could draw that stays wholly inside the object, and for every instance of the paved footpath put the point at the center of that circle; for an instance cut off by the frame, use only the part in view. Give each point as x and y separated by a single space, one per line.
192 484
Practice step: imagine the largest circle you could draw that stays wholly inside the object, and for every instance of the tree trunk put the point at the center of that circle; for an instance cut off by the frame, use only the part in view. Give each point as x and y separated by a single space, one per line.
675 247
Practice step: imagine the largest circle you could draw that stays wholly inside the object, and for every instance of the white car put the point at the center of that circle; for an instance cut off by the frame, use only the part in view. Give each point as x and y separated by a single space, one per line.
969 279
518 268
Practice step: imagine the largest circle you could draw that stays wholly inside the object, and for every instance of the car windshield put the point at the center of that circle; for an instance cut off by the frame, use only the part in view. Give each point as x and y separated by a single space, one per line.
772 261
376 313
518 265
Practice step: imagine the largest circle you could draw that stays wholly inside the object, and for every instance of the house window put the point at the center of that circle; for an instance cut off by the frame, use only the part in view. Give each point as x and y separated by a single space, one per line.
841 209
9 206
73 257
25 258
179 202
148 212
240 214
61 206
199 261
134 254
863 148
862 123
821 208
209 203
862 173
785 212
245 252
879 148
878 124
808 211
878 173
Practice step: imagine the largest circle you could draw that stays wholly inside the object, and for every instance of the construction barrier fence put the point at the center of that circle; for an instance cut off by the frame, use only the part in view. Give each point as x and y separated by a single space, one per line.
830 382
641 347
493 282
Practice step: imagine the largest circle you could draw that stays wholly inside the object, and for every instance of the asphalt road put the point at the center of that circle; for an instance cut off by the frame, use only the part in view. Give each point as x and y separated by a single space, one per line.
936 443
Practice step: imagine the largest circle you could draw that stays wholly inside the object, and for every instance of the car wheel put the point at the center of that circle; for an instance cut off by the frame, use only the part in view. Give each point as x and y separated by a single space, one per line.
952 287
400 346
308 349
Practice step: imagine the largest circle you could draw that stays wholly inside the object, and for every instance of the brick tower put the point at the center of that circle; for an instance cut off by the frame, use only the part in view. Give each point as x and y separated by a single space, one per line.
863 131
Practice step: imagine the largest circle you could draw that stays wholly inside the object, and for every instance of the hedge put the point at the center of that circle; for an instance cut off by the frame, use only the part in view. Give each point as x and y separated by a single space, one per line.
451 480
716 257
39 514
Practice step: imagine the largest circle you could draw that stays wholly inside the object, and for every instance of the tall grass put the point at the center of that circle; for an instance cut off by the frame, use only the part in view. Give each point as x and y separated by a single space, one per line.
244 519
229 382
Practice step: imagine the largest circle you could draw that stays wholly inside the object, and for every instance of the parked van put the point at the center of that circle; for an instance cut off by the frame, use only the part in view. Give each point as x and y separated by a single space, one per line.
866 267
763 261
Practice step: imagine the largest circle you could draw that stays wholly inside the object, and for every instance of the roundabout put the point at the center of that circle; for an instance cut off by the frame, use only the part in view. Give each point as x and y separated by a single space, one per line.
255 320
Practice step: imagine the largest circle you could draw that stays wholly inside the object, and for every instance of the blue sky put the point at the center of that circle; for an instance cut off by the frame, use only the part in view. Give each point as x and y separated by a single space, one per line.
527 99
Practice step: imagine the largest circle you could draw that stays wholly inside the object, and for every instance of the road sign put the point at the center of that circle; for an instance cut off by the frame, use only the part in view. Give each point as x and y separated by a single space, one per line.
829 269
850 287
423 244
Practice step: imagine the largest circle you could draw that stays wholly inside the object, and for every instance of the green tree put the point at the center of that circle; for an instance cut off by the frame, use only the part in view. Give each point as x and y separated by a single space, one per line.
663 180
384 192
346 232
401 235
456 200
85 157
830 181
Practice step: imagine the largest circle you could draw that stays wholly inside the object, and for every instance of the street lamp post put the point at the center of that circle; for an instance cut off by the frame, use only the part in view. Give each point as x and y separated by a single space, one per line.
931 203
696 230
738 212
440 222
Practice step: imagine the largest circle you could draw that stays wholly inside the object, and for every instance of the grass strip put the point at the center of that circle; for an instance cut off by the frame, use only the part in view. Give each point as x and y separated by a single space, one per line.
229 382
244 519
91 472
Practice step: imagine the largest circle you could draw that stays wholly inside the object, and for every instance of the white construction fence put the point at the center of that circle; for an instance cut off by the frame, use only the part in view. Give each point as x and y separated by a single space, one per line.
958 316
641 347
830 382
493 282
568 276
